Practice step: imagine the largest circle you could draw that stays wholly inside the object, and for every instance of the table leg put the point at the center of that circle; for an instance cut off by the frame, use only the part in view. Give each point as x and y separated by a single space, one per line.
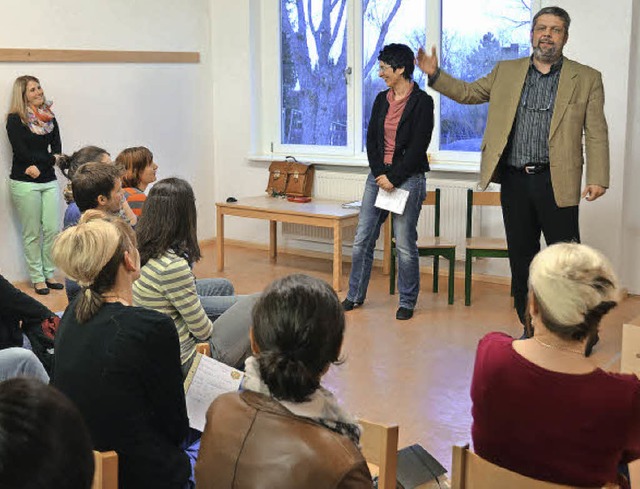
220 239
337 256
386 249
273 240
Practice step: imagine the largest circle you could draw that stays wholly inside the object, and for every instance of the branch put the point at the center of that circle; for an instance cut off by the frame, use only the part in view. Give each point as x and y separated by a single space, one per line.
381 37
334 35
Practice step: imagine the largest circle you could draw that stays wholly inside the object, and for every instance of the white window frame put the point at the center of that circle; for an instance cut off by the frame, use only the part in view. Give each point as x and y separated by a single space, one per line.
267 146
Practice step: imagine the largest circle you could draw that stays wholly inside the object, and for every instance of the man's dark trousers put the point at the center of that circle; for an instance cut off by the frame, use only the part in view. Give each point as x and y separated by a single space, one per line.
529 208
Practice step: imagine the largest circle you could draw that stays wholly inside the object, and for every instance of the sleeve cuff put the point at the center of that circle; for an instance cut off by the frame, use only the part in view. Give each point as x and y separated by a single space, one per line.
432 79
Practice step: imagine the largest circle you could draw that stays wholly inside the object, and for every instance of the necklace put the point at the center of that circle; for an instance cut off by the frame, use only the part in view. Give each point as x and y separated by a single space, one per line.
115 298
556 347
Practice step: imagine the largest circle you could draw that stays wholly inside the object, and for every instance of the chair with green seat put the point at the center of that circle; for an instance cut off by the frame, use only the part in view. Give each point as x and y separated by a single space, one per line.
480 246
429 246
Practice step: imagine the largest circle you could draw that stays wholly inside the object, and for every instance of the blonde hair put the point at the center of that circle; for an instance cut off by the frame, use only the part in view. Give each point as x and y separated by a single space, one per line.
19 96
91 253
574 286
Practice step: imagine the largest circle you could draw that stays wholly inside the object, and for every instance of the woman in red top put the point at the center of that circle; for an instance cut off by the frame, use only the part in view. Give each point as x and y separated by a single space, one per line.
140 171
540 407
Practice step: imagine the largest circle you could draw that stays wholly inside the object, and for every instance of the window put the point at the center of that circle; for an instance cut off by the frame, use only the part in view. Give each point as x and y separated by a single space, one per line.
324 101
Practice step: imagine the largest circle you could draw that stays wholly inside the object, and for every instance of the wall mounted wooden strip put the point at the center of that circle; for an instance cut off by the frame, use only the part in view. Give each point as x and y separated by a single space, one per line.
94 56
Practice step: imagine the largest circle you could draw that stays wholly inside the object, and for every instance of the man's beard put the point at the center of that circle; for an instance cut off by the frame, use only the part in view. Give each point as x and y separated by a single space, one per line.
550 55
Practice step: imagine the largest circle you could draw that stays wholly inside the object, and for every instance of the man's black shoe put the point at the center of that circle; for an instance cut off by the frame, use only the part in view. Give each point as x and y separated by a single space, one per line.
348 305
403 313
591 342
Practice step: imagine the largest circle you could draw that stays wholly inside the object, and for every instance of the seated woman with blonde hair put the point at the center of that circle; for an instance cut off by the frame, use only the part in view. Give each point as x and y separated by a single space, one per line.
540 407
284 430
120 364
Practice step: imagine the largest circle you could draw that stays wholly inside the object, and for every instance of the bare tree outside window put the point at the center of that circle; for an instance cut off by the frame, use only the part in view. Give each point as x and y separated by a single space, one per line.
471 45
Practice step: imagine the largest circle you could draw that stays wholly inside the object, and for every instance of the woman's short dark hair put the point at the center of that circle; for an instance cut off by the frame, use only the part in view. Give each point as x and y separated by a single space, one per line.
398 56
298 326
44 443
169 222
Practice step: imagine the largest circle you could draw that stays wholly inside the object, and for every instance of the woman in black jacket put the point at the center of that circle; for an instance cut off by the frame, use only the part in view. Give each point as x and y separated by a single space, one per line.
397 139
35 139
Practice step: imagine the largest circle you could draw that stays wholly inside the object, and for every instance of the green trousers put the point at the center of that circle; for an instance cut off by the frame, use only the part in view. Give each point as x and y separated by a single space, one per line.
37 208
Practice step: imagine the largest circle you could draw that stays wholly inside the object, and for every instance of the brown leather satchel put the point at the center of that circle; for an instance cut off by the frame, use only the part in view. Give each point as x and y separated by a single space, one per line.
290 177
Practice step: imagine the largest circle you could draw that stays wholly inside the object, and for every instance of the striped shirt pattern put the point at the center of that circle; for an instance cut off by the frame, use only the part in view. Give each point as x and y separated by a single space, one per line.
167 285
529 142
135 198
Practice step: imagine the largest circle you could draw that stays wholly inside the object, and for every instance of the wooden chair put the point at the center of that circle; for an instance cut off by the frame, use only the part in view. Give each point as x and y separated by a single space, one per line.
106 470
380 448
429 246
469 471
203 348
480 246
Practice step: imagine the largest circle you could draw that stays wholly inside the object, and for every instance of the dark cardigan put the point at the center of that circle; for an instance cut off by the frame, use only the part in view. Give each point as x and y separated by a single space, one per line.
412 138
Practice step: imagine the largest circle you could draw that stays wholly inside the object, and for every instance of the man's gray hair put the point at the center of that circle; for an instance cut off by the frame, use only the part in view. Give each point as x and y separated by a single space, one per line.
558 12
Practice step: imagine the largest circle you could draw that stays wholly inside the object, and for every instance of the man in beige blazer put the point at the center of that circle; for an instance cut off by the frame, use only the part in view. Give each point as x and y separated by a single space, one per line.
539 109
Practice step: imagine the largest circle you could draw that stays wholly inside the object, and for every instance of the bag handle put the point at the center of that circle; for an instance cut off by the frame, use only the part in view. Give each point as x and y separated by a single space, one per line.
291 159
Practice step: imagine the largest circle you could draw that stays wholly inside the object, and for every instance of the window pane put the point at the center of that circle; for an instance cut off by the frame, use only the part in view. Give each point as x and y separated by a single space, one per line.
314 57
489 31
385 22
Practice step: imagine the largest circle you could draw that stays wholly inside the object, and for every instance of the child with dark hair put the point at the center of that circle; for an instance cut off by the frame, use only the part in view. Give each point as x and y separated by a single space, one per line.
283 413
44 443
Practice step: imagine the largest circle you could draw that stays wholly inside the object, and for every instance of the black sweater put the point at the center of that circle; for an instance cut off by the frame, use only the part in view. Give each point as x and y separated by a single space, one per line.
32 149
122 370
412 138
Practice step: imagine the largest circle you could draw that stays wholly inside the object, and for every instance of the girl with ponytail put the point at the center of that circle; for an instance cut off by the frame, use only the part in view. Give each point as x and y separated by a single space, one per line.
284 429
540 407
120 364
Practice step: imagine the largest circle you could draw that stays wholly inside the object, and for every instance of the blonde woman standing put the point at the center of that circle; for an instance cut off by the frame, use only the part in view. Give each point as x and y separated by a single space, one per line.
35 140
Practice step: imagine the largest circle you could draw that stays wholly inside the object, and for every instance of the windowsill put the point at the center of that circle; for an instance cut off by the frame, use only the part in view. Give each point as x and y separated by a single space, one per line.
361 162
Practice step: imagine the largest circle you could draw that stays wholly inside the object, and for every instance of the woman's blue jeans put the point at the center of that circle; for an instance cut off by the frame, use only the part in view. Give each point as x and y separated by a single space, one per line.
406 235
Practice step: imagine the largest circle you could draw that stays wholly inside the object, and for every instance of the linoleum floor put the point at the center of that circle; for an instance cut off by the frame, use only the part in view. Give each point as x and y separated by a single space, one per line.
415 373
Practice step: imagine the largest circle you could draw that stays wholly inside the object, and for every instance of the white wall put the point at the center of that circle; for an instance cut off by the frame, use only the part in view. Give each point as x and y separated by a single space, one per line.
602 44
166 107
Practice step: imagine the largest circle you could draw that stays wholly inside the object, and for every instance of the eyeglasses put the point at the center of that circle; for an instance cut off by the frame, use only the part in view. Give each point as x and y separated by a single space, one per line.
382 67
527 103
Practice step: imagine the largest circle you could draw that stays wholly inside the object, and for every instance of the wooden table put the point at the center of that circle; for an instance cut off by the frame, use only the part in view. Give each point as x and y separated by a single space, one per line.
318 212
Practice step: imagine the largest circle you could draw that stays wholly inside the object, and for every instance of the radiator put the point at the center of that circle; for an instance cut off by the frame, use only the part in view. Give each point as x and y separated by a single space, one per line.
349 186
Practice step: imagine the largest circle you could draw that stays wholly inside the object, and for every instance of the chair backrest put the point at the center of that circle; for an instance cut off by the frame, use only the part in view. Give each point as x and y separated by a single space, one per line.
106 471
204 349
479 199
469 471
432 198
380 447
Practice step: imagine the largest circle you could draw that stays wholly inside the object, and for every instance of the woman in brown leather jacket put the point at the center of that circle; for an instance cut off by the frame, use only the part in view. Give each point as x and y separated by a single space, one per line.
283 429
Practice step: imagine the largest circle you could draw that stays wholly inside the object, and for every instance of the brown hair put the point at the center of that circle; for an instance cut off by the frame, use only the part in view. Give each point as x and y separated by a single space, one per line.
134 161
92 180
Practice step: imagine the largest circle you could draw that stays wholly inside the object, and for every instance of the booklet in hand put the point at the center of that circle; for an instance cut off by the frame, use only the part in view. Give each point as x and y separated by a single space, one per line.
206 380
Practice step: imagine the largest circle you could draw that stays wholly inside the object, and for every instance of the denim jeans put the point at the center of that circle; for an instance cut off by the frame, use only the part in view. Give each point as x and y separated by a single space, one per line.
405 232
216 296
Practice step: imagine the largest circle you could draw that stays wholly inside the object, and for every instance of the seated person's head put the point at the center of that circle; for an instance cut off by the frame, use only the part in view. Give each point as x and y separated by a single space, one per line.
571 287
139 167
44 443
169 221
98 253
298 326
98 186
69 164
